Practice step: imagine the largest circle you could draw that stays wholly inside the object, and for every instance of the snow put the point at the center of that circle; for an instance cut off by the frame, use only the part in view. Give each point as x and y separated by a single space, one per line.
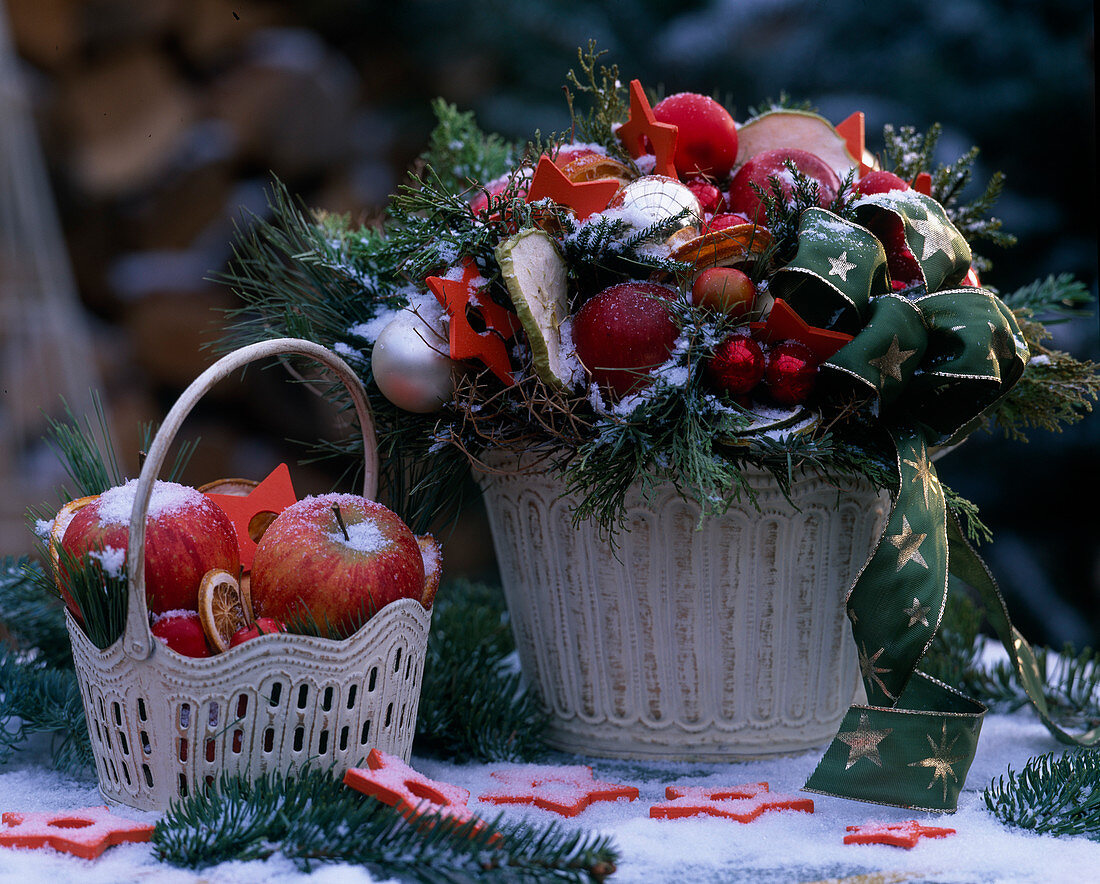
116 504
781 846
112 560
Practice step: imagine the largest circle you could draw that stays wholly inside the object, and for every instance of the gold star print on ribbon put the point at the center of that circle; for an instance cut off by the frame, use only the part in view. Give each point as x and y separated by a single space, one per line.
841 265
940 762
922 467
937 238
863 742
889 363
908 545
870 671
917 613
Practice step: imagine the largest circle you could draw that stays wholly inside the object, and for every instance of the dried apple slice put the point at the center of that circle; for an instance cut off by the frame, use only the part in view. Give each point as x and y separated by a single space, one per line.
432 553
534 273
222 607
795 129
725 247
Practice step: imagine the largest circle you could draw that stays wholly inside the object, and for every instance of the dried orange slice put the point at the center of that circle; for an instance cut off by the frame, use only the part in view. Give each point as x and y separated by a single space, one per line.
222 607
722 248
592 167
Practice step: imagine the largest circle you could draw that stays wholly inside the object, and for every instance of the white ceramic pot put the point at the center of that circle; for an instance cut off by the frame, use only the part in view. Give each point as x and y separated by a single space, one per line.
722 639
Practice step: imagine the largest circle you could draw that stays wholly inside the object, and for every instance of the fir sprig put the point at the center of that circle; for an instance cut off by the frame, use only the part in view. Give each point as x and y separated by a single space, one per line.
1052 795
610 104
86 452
473 706
312 819
1055 298
31 613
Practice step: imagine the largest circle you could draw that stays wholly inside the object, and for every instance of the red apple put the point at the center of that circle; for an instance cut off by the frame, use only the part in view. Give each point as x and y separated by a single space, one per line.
182 631
768 164
725 290
706 134
709 196
310 565
726 219
260 626
623 333
186 535
879 181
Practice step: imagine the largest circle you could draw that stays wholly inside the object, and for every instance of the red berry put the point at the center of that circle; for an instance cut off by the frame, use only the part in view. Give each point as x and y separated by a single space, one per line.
709 196
706 134
182 631
791 372
726 219
260 626
737 365
878 181
625 332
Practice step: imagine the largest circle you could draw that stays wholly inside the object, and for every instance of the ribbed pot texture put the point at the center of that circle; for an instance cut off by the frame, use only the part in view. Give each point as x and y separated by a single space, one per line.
723 638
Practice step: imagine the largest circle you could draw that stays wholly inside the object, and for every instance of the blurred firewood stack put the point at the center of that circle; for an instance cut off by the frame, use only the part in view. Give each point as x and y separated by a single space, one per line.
161 121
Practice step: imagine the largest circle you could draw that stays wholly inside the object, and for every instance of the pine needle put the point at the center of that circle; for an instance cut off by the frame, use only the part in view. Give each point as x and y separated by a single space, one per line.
1051 796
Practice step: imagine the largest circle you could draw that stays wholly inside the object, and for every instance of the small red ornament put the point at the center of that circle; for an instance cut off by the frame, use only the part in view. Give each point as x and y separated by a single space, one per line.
791 372
182 631
643 131
737 365
741 803
273 495
390 780
85 833
709 196
566 790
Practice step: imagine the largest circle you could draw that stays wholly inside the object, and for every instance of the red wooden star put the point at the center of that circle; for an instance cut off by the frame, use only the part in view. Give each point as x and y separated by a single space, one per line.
458 297
85 833
741 803
393 782
853 131
643 127
784 324
567 789
273 495
583 197
905 834
923 184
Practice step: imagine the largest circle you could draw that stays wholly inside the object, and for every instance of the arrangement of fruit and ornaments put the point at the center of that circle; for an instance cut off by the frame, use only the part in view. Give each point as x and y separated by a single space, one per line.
662 292
225 569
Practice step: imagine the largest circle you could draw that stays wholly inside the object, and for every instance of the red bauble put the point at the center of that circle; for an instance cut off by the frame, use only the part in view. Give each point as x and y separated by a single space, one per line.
709 196
182 631
706 135
623 333
879 181
737 365
791 372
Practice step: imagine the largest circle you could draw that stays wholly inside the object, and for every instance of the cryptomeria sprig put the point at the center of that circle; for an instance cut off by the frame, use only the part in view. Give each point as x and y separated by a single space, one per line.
312 819
1052 795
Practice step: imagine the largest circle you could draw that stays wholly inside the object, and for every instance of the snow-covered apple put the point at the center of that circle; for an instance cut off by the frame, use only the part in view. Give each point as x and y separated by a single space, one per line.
335 559
186 535
706 134
181 631
724 290
623 333
760 169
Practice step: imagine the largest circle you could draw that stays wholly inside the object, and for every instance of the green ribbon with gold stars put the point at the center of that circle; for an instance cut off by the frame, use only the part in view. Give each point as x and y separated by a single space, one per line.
934 358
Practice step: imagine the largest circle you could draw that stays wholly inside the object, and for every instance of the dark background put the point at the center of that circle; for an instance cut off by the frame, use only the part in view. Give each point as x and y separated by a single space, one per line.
161 119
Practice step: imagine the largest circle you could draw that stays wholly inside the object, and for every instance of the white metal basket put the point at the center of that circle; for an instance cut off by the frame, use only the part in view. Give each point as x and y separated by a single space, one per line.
163 725
711 640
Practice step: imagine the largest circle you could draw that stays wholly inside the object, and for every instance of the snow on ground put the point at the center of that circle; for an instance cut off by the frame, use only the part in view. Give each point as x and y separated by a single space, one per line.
778 847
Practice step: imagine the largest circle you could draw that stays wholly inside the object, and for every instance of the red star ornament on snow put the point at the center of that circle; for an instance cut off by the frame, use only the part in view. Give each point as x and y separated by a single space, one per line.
387 778
642 127
273 495
905 834
566 789
85 833
459 296
583 197
785 325
741 803
853 131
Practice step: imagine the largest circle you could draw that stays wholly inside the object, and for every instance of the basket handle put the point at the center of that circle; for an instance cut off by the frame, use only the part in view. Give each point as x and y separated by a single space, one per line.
137 637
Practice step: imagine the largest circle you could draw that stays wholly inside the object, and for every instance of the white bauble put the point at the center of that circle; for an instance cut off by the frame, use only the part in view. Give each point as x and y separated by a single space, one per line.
411 366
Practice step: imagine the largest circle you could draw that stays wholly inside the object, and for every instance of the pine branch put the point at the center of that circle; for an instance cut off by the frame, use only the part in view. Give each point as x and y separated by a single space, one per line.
1057 298
472 707
31 613
1051 796
312 819
86 452
462 154
610 104
37 699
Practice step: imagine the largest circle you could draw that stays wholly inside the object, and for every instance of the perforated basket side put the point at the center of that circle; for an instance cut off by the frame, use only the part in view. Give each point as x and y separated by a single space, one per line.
165 726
